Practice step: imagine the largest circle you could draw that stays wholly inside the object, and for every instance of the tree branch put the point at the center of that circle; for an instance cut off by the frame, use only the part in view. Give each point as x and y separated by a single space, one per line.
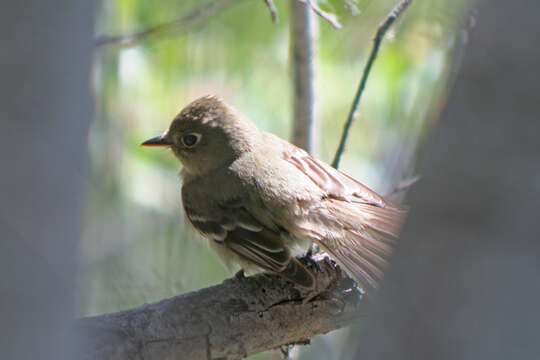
240 317
273 10
326 16
303 29
379 36
187 22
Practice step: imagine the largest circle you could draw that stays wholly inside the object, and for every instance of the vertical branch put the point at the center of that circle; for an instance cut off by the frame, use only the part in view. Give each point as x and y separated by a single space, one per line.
379 36
303 33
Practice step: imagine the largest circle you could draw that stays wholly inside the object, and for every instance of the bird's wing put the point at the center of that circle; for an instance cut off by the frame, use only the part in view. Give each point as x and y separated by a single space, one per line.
242 234
335 183
353 223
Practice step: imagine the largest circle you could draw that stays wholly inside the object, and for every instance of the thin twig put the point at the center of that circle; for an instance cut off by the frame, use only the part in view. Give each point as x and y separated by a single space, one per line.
383 28
403 185
352 7
182 24
273 10
328 17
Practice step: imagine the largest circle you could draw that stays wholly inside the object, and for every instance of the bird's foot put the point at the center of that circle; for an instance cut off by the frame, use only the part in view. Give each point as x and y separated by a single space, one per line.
240 275
317 290
310 296
313 249
308 258
285 351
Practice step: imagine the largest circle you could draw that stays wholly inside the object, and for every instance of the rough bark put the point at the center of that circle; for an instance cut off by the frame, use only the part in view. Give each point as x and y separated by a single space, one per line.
240 317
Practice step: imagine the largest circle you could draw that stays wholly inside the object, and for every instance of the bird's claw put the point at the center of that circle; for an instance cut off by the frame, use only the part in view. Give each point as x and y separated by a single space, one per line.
240 275
313 293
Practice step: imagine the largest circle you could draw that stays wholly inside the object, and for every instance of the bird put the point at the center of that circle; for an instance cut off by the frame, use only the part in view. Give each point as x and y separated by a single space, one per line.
260 200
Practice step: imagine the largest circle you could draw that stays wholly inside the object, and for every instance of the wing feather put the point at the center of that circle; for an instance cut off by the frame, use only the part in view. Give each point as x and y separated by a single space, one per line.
355 225
242 234
334 182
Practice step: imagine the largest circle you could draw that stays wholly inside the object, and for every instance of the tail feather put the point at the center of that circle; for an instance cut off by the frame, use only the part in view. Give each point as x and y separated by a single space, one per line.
359 237
374 242
384 220
361 270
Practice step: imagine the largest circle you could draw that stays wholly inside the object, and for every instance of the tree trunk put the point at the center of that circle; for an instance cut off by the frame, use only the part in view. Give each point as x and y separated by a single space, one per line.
46 110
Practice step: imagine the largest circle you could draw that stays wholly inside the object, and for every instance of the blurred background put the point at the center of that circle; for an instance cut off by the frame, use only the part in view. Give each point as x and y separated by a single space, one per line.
136 247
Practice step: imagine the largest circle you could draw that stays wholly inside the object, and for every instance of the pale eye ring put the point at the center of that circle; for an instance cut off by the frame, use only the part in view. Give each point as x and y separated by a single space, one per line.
190 140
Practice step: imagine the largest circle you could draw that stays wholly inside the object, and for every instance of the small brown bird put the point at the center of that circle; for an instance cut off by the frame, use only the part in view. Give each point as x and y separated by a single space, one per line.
257 198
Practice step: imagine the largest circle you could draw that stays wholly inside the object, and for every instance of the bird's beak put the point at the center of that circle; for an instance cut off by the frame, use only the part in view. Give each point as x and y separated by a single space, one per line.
158 141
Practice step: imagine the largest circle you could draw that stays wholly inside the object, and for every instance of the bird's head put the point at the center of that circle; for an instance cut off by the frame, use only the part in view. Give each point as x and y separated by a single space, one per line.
206 135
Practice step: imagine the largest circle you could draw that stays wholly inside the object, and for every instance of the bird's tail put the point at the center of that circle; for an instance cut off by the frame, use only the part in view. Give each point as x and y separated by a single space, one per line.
358 236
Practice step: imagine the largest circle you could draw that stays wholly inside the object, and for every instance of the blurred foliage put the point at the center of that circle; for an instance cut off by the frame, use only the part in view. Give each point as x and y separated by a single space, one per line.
136 246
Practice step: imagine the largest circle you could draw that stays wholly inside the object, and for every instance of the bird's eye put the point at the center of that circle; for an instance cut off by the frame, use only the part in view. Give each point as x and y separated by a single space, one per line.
190 140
